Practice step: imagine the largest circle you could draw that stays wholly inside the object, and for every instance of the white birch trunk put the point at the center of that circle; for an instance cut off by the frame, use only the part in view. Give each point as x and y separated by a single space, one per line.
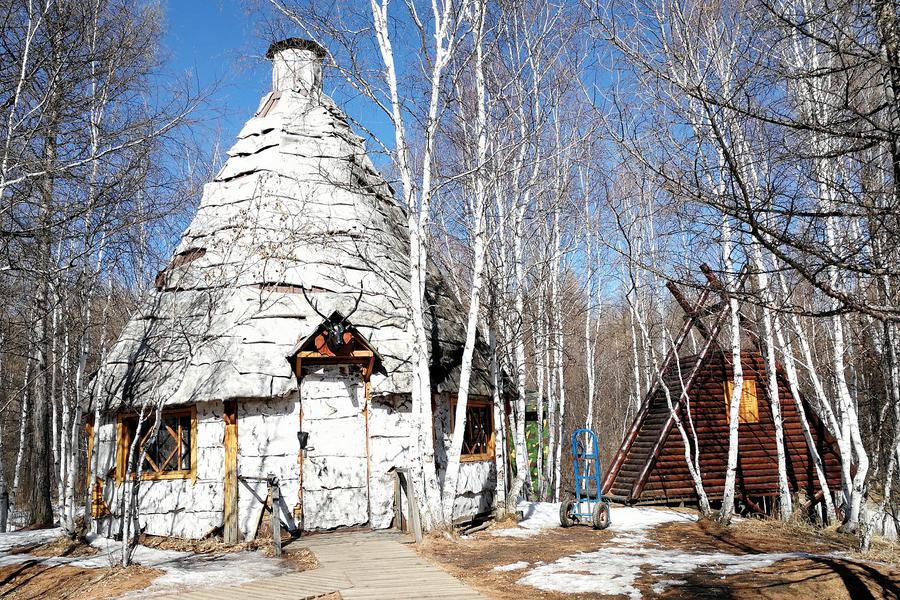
794 383
24 418
480 247
523 476
637 398
551 403
727 509
417 199
785 504
52 397
540 353
65 451
499 431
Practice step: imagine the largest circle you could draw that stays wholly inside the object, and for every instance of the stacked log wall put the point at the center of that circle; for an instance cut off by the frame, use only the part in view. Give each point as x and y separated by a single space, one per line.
757 458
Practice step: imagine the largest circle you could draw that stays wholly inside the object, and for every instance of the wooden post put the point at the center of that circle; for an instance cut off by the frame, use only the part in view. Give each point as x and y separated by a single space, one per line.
398 504
276 520
230 526
4 506
414 512
413 505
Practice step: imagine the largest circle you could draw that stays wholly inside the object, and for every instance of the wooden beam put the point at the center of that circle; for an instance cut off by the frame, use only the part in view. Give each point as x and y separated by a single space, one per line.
275 492
714 281
689 311
622 453
230 530
670 422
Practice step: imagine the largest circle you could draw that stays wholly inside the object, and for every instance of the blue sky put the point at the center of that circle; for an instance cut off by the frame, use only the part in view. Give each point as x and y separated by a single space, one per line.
215 41
220 42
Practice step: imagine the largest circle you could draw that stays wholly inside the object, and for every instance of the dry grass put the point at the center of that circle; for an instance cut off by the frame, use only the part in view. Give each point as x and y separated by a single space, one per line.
880 549
301 559
64 546
33 581
509 519
210 545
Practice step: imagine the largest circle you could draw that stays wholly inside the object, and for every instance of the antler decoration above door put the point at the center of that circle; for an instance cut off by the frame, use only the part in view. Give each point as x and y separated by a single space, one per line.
334 328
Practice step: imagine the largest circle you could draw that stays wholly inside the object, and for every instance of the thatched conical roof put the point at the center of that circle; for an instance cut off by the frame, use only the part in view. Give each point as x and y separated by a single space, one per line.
298 205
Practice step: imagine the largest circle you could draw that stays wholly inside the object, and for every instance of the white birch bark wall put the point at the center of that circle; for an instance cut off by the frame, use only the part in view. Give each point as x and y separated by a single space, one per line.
390 424
172 507
476 481
267 443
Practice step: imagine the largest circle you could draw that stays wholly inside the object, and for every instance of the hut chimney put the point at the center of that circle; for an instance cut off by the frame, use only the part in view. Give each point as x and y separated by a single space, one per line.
297 66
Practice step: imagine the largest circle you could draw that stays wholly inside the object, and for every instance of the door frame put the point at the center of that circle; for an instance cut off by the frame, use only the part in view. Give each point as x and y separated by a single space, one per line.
365 412
355 350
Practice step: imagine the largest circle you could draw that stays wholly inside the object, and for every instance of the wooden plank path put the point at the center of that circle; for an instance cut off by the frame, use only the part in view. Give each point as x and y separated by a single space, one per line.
359 565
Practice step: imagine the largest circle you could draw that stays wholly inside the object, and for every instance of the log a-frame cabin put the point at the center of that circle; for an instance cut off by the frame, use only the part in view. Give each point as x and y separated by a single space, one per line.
278 341
650 468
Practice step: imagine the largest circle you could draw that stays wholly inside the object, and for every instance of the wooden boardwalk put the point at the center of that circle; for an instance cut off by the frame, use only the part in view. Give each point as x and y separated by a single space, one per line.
359 565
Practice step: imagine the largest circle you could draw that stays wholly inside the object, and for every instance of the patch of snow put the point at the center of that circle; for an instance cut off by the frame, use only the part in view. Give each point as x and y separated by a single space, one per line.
31 537
632 520
660 586
538 516
182 570
186 570
515 532
516 566
615 570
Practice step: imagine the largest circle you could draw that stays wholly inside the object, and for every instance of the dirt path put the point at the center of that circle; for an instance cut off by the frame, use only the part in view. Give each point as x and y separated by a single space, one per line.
37 579
670 560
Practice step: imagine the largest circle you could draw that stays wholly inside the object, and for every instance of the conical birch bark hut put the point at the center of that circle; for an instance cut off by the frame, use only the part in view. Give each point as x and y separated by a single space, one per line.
284 309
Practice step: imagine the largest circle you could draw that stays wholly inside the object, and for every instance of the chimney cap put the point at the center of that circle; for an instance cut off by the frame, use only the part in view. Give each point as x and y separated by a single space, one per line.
298 44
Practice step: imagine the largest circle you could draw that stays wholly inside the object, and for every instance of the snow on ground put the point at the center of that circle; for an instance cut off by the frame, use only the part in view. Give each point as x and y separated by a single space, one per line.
538 515
182 570
545 515
516 566
186 570
615 568
8 541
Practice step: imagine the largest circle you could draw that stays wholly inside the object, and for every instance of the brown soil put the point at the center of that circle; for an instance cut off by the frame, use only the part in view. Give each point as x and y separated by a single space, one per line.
301 559
33 580
209 545
856 576
63 546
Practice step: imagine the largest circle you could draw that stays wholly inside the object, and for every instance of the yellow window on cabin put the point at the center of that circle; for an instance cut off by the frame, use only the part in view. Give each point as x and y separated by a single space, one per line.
749 412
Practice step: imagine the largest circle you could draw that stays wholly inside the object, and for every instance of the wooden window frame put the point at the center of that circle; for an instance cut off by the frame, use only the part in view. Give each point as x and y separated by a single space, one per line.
123 445
476 402
749 409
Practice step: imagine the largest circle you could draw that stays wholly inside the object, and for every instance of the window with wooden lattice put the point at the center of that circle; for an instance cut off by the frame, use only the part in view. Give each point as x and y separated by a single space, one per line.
168 452
478 438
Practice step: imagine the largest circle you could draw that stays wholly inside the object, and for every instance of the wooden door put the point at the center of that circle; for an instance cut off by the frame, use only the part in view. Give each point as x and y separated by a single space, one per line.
335 469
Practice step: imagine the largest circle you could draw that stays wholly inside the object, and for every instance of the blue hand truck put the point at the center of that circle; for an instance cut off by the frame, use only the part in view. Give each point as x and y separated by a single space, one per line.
587 505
